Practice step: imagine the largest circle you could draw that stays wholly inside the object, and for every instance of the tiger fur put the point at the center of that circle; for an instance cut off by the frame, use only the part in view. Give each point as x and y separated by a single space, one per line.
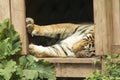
76 39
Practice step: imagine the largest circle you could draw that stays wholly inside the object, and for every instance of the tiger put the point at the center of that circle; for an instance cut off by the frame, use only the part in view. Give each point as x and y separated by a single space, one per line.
76 40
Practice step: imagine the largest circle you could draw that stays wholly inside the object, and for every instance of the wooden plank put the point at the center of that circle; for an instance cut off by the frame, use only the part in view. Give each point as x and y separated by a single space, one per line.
116 27
18 19
72 60
115 49
75 70
79 67
116 22
103 26
4 9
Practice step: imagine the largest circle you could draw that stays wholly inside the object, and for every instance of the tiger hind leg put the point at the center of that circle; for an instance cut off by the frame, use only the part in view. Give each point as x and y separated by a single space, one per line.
41 51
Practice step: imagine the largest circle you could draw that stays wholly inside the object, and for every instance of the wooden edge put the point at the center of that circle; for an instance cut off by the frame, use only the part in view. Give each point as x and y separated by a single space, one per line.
18 19
4 10
103 26
72 60
116 21
116 60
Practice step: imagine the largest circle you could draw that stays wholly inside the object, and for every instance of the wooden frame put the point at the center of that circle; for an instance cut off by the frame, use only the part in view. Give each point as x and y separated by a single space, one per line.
15 10
107 26
103 26
107 31
79 67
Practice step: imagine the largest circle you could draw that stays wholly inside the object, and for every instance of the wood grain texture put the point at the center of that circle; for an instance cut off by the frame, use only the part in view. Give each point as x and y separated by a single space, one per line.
74 67
4 9
103 26
116 22
18 19
115 49
72 60
76 70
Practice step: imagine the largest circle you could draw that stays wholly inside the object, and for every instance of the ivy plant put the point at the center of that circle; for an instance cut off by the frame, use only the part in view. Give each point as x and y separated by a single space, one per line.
112 69
23 67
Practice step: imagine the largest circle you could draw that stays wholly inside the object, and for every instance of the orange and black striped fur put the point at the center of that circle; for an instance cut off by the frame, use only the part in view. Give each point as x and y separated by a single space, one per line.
76 40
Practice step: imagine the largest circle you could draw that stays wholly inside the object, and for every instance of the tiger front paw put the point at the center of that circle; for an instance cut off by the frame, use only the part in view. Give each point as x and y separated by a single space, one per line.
30 25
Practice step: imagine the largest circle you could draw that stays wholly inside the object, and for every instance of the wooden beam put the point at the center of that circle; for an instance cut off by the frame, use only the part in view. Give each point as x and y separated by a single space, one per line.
4 9
76 70
18 19
72 60
103 26
79 67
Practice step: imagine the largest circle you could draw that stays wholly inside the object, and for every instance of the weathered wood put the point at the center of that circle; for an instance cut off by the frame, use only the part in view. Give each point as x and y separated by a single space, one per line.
115 49
18 19
103 26
71 60
75 70
4 9
116 22
74 67
116 27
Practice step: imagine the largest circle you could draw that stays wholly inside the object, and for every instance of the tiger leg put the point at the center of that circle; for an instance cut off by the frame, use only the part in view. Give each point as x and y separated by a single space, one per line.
61 31
51 51
31 27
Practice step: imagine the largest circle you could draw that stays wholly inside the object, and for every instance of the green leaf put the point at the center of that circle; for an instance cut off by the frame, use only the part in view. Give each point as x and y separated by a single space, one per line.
30 74
7 69
4 48
9 40
36 68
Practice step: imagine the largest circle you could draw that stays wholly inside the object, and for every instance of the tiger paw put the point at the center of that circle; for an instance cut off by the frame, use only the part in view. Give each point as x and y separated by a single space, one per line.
30 25
37 51
32 49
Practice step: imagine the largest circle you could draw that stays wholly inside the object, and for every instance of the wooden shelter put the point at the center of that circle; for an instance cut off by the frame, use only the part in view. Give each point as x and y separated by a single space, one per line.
107 35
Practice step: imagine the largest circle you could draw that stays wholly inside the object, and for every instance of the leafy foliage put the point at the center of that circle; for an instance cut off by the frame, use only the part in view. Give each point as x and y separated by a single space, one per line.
32 69
7 68
26 67
9 40
112 70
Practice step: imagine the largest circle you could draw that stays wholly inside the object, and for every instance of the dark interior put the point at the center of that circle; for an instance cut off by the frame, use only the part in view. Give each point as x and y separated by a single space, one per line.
59 11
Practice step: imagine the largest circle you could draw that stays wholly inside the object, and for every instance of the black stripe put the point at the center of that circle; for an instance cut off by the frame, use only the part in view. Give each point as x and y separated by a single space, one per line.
64 32
69 49
83 30
84 27
87 37
91 38
63 50
55 49
75 29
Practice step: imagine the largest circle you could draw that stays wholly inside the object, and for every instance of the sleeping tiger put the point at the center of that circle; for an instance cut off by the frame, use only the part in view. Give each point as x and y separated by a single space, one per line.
76 40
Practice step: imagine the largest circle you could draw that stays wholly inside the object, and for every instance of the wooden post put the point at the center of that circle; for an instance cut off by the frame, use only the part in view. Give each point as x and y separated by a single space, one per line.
116 27
103 26
18 19
4 9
